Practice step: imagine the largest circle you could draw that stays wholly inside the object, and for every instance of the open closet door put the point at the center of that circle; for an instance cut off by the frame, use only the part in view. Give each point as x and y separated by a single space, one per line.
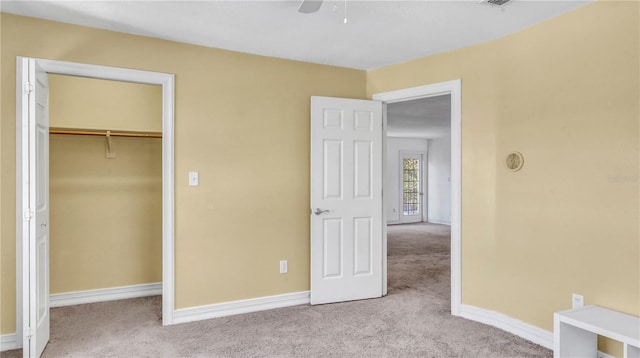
346 199
36 254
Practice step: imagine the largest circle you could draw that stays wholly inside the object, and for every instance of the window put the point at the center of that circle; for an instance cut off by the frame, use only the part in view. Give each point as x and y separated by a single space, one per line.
410 186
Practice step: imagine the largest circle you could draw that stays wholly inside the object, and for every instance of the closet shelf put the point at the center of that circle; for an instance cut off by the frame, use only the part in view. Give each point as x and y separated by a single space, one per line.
102 133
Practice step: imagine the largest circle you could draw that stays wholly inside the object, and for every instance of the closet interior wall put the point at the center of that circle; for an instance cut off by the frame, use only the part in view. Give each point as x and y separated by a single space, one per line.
106 213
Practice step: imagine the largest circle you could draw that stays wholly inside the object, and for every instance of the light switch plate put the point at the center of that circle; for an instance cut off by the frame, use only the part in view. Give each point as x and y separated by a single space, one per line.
193 179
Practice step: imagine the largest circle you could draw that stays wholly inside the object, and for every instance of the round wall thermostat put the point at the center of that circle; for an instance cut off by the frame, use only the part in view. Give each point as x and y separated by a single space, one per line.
514 161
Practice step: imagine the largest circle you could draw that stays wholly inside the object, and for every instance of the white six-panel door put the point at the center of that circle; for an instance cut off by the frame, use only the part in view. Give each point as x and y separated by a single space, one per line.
41 219
35 303
346 199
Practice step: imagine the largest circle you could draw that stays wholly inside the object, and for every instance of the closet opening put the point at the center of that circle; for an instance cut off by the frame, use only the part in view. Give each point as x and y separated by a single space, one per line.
105 192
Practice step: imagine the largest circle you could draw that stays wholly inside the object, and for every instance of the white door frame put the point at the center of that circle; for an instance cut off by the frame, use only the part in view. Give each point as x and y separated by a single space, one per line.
22 170
454 88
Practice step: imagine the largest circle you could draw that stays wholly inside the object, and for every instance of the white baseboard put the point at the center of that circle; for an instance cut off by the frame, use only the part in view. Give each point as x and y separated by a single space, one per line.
525 330
200 313
438 221
8 342
105 294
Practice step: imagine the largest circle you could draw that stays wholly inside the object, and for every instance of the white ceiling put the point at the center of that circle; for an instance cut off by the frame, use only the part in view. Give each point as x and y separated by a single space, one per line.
420 118
378 33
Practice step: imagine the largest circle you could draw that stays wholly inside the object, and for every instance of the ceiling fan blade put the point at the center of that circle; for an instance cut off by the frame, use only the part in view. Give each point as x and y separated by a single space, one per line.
309 6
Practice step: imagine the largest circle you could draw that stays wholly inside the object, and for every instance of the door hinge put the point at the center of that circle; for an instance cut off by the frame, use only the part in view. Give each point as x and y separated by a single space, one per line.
28 87
28 333
28 215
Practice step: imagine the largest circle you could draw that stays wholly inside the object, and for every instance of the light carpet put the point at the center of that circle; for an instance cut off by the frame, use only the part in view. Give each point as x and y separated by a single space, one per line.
413 320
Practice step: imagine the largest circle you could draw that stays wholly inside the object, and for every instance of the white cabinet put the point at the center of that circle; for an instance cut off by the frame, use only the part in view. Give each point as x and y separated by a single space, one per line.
576 331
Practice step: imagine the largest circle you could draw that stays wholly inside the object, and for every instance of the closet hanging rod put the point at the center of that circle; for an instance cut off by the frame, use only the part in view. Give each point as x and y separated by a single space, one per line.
104 133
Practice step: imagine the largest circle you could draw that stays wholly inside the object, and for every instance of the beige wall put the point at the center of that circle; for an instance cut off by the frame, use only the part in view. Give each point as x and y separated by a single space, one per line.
87 103
242 121
566 94
104 210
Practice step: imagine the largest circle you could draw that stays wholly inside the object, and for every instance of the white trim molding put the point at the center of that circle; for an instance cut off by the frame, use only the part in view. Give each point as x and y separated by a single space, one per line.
200 313
105 294
521 329
514 326
8 342
438 221
454 88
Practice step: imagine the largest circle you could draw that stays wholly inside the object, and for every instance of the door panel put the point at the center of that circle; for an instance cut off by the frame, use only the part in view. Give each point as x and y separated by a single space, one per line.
363 166
42 209
363 237
332 169
346 199
332 239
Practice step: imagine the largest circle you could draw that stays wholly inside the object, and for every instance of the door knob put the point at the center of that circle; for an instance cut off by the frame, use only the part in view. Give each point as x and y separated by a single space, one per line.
320 211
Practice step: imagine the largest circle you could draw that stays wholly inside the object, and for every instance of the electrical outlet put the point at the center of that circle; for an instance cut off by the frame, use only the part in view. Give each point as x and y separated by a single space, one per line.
284 266
577 300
